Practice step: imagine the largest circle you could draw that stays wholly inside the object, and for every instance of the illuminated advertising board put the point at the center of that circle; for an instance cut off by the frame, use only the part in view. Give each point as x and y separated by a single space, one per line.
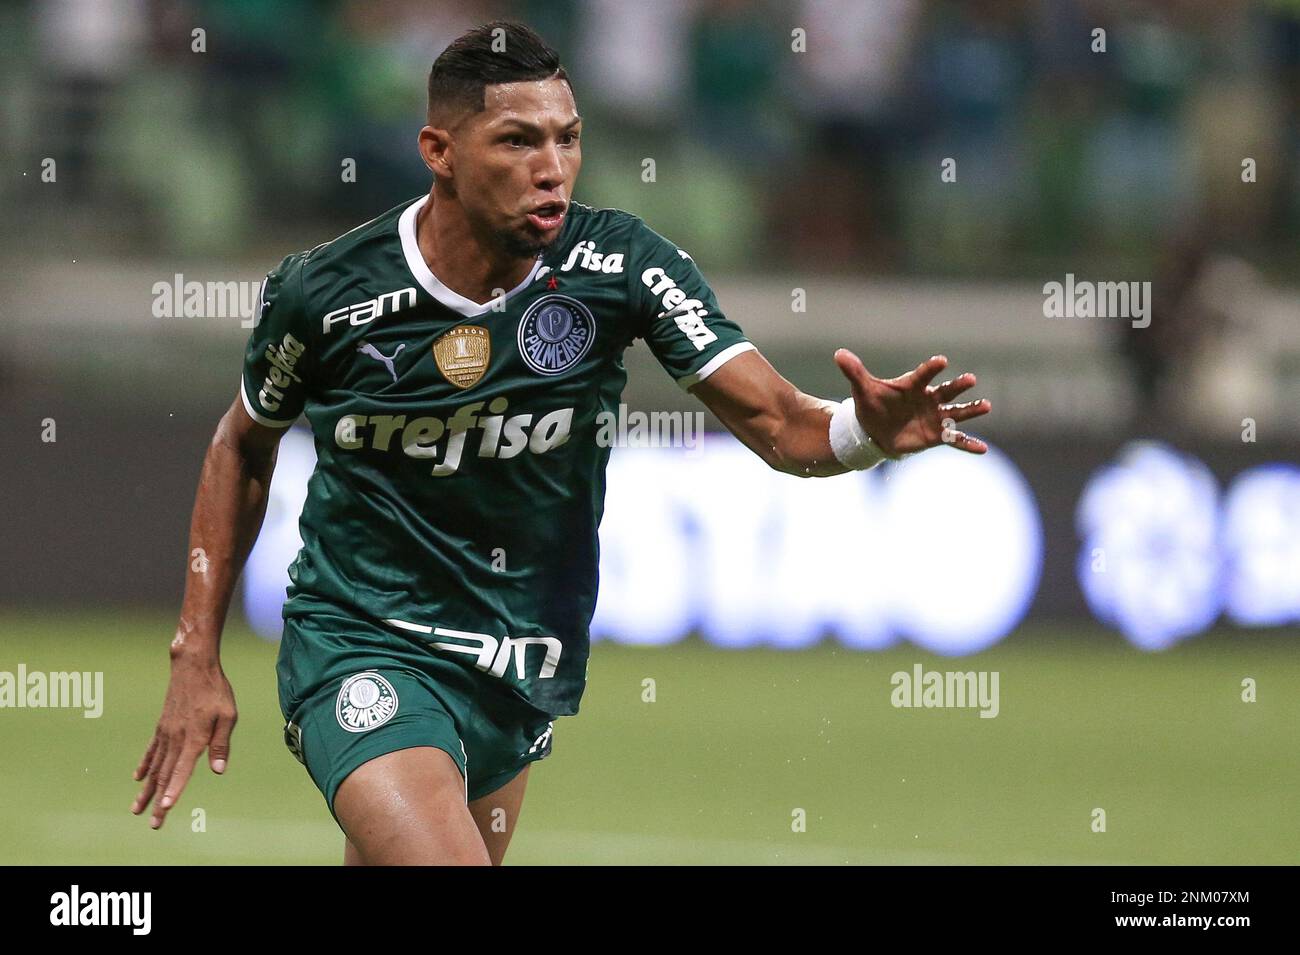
943 550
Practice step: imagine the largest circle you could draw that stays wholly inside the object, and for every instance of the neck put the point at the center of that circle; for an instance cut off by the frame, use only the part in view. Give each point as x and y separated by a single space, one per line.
465 260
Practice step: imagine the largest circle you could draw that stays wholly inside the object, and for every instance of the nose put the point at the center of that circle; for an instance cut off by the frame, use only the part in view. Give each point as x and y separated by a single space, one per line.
548 172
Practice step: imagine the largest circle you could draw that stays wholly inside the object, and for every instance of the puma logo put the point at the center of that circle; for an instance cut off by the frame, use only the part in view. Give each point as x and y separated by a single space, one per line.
368 349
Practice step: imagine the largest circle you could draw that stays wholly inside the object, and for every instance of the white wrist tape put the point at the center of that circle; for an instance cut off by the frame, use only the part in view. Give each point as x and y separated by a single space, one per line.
852 446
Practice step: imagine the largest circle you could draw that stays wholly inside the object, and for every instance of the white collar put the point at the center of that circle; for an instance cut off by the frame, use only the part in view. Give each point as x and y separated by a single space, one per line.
430 282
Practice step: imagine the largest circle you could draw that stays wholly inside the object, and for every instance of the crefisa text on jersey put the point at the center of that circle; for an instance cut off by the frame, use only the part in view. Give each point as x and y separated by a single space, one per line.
281 374
501 437
688 313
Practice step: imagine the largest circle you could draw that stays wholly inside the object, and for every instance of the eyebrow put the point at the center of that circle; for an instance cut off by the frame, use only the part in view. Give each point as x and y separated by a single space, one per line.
533 127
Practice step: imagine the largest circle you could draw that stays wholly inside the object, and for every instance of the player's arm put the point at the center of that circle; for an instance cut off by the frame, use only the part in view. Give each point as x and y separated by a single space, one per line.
708 354
199 710
792 431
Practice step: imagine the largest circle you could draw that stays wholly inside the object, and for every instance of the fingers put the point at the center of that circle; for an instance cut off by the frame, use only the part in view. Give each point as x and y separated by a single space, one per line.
163 770
219 748
961 440
147 759
919 377
951 389
927 370
966 410
157 753
170 763
852 368
176 783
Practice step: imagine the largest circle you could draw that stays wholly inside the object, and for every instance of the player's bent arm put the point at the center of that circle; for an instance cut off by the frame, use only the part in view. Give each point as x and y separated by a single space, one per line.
199 710
812 437
788 429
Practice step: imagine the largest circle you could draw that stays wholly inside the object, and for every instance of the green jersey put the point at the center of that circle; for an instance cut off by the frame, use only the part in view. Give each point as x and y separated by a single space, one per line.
459 480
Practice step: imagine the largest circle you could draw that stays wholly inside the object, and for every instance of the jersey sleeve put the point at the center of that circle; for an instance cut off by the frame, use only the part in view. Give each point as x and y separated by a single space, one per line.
278 357
677 312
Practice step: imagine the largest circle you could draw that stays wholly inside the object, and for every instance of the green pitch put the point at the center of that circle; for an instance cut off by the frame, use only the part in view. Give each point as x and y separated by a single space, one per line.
715 768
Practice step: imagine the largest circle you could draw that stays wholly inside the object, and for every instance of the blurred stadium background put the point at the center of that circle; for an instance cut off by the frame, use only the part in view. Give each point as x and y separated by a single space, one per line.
1125 560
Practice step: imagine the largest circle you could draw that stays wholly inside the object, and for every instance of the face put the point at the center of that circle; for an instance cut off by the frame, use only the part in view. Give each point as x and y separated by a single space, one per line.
513 165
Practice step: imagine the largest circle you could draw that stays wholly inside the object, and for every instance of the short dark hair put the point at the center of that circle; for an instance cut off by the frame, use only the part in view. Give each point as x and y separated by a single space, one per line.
471 63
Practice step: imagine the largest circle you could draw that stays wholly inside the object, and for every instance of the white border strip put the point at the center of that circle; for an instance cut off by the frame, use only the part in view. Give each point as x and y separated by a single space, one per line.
430 282
716 362
257 415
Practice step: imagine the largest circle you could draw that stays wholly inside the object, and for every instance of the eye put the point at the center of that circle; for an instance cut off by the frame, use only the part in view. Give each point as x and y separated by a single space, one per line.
513 139
568 139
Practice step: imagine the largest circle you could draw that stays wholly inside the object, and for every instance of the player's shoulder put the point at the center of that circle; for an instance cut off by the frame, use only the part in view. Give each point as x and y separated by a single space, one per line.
616 232
379 234
373 246
607 220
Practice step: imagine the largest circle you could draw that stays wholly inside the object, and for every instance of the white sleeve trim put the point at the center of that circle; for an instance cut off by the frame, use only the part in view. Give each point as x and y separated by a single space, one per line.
257 415
716 362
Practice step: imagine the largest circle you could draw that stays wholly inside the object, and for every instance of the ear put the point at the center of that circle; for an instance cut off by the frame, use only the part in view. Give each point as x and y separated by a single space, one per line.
436 150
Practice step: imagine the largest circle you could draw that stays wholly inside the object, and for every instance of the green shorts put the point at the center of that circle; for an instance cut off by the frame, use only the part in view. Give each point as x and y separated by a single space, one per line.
352 689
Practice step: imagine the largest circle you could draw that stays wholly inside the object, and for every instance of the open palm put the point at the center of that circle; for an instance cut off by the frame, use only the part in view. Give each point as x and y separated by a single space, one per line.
908 414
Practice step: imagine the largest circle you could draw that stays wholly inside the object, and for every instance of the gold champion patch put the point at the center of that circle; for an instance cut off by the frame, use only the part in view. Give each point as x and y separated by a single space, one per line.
463 354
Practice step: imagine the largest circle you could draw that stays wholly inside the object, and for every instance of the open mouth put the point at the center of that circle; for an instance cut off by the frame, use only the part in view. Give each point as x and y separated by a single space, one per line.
547 216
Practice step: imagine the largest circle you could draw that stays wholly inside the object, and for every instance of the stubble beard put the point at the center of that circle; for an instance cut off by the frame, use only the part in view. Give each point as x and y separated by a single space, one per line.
522 246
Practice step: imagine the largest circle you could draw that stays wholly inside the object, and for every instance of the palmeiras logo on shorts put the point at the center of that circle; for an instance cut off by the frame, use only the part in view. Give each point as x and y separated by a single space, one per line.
366 700
555 333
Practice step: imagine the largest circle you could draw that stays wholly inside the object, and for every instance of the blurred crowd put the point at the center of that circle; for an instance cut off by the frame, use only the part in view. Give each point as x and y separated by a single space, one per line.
768 154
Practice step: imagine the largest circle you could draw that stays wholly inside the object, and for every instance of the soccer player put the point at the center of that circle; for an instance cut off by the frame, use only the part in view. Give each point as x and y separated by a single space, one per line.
452 357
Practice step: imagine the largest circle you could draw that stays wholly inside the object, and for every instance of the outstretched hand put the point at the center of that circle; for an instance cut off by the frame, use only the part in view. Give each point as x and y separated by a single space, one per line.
908 414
